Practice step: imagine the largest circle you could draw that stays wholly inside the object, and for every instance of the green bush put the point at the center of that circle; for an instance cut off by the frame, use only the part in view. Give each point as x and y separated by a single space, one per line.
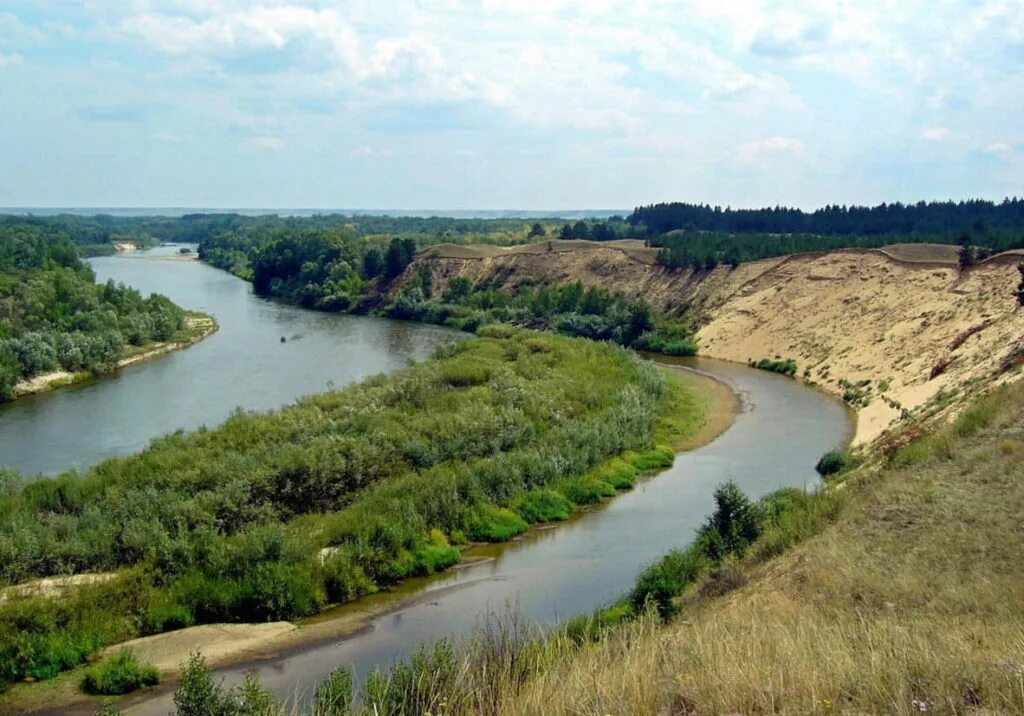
167 617
979 414
588 490
732 527
834 462
784 366
436 555
120 674
425 684
657 458
496 524
584 628
619 473
333 696
344 580
659 584
543 506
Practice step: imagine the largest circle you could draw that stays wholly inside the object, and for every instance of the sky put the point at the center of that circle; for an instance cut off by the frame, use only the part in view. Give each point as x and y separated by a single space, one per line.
502 104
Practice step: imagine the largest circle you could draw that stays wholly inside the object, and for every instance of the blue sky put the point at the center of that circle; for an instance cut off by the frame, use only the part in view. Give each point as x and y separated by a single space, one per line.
496 104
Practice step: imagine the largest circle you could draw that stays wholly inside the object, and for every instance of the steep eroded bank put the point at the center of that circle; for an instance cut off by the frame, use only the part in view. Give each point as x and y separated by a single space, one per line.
893 331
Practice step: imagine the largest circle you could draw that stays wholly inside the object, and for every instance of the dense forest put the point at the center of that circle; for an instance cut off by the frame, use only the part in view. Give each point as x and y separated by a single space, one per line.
702 237
335 270
273 515
53 316
937 217
569 309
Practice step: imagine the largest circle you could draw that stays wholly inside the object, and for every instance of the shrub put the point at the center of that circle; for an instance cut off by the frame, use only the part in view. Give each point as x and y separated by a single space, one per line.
833 462
584 628
620 474
659 584
463 374
732 527
784 366
334 694
496 524
657 458
435 555
167 617
345 580
120 674
543 506
588 490
424 684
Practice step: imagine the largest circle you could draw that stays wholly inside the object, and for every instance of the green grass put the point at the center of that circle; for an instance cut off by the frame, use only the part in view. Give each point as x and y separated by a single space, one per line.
785 366
119 674
487 437
543 506
496 524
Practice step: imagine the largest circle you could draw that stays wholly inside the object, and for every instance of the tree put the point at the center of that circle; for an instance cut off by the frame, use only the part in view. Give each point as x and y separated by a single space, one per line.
580 230
399 255
966 256
734 524
1020 286
565 233
458 290
373 263
537 230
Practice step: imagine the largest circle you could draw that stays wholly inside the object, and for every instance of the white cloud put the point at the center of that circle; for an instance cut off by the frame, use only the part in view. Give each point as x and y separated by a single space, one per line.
935 134
757 153
10 60
1001 149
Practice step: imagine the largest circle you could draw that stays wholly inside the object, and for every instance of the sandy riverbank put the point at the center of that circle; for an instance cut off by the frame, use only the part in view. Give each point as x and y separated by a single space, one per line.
198 326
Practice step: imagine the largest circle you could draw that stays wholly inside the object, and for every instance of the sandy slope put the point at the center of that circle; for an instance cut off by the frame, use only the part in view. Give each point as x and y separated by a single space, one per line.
886 316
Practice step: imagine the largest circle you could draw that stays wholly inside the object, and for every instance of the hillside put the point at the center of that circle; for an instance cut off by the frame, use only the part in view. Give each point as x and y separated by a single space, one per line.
908 603
894 331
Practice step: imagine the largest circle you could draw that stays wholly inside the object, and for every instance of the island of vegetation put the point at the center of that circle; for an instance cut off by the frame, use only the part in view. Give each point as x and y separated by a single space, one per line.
58 326
275 515
892 590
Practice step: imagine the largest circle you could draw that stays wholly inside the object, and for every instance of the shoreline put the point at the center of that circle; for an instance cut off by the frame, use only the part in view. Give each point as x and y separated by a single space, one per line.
46 382
232 646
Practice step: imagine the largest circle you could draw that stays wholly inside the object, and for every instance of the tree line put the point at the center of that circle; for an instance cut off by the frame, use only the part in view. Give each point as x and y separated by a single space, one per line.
935 217
53 316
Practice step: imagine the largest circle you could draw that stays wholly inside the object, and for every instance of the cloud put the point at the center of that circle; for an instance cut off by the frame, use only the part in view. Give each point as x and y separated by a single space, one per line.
267 143
1001 149
757 153
15 32
790 36
935 134
10 60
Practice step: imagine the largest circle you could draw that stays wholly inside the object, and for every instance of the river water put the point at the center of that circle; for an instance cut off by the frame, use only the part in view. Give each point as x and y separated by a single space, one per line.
548 575
244 364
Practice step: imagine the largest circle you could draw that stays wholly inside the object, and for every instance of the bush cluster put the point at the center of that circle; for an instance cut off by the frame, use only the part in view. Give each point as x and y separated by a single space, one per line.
274 515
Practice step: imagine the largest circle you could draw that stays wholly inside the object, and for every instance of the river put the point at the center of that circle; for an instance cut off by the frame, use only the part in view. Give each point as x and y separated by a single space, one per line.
244 364
550 574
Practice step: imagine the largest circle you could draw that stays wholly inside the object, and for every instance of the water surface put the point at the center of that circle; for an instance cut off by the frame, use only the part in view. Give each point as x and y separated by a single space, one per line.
552 574
244 364
549 575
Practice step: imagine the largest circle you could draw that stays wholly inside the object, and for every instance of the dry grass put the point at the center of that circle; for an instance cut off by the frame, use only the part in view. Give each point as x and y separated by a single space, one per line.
914 597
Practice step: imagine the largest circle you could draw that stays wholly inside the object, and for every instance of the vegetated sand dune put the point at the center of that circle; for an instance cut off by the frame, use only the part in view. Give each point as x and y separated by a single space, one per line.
892 330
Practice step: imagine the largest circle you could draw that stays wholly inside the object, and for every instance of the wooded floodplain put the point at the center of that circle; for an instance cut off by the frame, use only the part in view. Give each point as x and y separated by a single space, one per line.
275 515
